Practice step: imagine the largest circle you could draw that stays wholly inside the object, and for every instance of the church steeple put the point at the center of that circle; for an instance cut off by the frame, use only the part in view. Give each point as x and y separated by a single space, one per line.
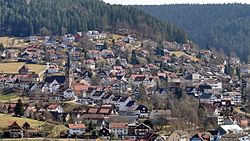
68 71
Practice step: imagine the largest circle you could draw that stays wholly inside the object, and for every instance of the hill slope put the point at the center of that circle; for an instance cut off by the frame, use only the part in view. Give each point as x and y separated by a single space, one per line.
28 17
223 26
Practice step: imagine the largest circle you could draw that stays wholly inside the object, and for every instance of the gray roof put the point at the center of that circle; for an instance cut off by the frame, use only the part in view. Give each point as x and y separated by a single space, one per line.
206 95
121 119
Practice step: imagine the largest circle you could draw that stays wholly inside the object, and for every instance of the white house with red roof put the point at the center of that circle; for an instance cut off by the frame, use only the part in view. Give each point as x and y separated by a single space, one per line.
119 129
90 63
55 108
93 53
77 129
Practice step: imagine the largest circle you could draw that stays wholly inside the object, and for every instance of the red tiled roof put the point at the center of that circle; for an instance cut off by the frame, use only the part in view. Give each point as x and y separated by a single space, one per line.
52 106
92 110
93 51
80 87
89 61
133 76
118 125
15 125
117 67
92 116
77 126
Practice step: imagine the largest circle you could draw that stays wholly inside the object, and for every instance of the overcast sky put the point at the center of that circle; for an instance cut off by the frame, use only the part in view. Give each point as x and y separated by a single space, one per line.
157 2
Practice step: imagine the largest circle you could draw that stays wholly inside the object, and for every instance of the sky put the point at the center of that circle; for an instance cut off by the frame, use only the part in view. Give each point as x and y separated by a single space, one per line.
158 2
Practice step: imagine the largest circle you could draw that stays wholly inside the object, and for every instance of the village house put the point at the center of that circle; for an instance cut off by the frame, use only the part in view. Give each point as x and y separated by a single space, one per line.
52 68
69 94
68 38
178 135
207 98
119 129
141 130
91 54
204 136
104 133
230 129
55 108
15 130
142 111
77 129
90 63
152 137
234 97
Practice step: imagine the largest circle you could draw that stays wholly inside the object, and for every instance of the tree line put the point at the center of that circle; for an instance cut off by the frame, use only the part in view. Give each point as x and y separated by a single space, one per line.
53 17
224 27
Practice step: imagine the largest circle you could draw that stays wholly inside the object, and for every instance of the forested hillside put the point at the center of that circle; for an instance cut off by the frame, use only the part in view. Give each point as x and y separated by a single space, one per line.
29 17
223 26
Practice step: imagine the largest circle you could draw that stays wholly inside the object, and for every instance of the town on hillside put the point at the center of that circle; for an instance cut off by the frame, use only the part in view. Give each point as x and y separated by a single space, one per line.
110 86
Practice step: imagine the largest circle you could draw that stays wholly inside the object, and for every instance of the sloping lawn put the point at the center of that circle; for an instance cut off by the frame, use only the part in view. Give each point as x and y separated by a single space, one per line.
6 120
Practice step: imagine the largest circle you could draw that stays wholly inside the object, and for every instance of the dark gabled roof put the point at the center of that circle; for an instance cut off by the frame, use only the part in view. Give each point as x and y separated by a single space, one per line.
140 78
150 136
59 79
204 86
123 99
31 85
130 103
143 126
205 95
160 90
107 96
214 132
119 76
98 93
127 113
128 119
141 107
116 98
26 125
104 132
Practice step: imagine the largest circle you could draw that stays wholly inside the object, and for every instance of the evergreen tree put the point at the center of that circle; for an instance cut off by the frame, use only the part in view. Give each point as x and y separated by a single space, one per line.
19 111
1 47
66 16
224 27
134 59
238 72
228 69
90 126
118 62
105 46
159 50
179 93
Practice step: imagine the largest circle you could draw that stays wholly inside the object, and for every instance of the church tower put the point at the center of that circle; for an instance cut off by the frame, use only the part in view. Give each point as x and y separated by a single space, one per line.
68 72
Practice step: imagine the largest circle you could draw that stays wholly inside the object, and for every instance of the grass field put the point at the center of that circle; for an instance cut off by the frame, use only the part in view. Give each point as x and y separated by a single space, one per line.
9 97
13 97
13 68
180 53
37 68
10 67
12 42
6 120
